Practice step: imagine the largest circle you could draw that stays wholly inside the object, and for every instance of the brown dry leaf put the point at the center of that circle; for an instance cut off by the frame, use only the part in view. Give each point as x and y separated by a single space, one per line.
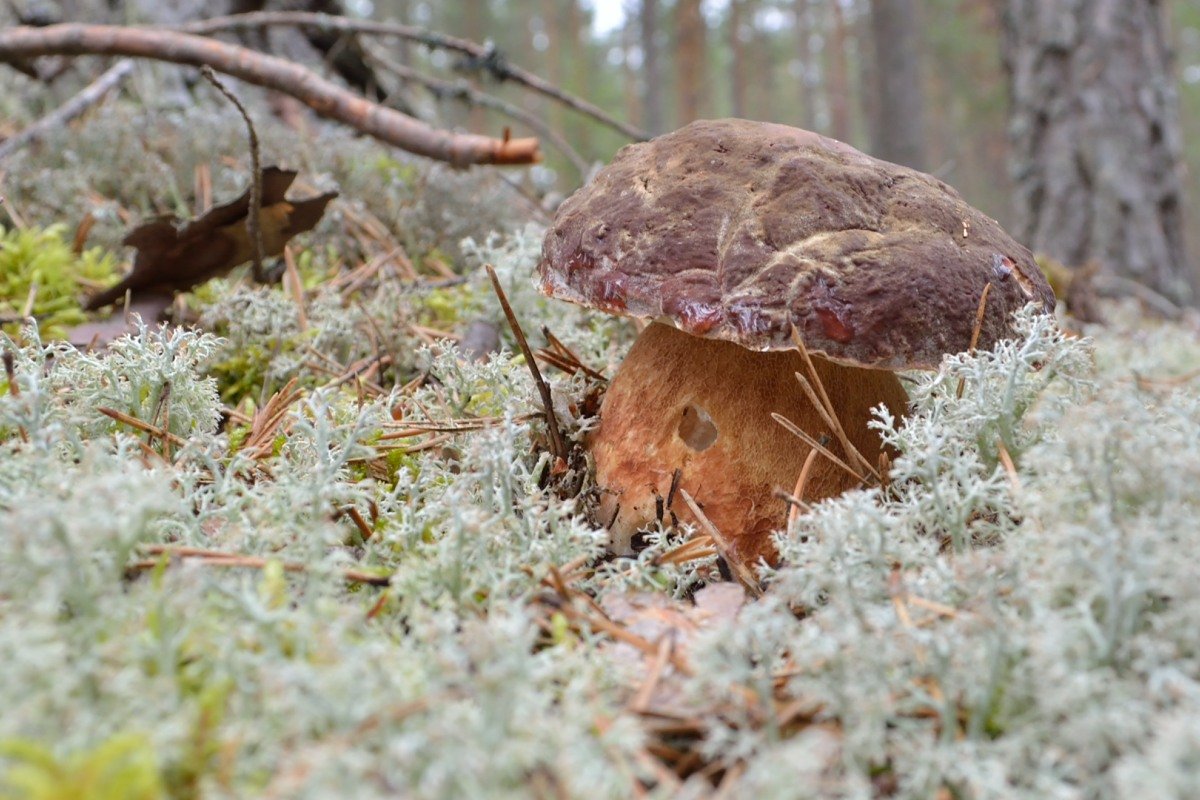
656 617
173 258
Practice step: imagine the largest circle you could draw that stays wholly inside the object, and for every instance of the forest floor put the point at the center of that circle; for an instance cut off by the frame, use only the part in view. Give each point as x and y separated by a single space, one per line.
312 543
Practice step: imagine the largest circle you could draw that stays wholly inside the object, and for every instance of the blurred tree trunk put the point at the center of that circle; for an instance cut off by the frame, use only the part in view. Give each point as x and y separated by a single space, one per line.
738 79
1096 138
577 38
804 85
838 85
765 67
689 60
651 71
629 74
898 132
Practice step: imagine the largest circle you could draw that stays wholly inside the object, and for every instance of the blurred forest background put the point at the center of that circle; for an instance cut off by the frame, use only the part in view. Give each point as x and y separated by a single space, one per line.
942 103
1065 120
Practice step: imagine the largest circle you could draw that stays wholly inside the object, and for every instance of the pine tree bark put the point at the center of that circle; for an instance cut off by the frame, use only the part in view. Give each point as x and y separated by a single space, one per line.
899 131
689 60
1096 138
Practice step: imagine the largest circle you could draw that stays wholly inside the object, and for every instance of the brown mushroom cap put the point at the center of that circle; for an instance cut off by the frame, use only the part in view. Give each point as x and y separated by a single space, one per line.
739 230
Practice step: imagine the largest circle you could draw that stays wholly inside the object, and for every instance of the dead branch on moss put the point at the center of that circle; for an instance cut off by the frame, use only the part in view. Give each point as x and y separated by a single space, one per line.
481 57
323 96
141 425
220 558
95 92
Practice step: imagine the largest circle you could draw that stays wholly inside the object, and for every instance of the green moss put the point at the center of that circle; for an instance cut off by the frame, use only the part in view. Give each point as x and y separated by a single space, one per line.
41 261
450 305
392 168
123 767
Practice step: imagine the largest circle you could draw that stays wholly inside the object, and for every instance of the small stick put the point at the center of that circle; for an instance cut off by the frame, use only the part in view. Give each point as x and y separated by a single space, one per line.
295 286
941 609
641 701
257 562
14 389
10 372
831 416
740 571
359 522
203 189
81 233
468 425
30 299
979 314
1009 467
253 224
556 343
144 427
815 445
692 550
557 447
621 634
165 400
801 485
792 501
675 477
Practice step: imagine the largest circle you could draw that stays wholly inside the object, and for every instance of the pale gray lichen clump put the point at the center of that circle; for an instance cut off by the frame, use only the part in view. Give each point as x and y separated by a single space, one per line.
994 632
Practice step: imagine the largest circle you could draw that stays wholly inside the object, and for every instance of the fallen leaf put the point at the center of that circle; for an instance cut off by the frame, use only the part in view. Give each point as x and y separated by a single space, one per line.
174 258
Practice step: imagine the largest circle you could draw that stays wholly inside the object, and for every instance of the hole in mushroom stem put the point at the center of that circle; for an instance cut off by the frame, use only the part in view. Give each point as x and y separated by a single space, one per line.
696 428
639 541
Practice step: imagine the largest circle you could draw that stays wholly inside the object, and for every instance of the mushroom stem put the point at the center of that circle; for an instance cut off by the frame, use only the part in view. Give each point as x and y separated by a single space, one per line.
704 407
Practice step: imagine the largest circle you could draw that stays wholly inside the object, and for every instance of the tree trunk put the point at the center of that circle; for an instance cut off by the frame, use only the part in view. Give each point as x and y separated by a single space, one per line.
737 59
899 131
804 84
838 85
629 73
1096 139
764 66
576 36
689 60
651 71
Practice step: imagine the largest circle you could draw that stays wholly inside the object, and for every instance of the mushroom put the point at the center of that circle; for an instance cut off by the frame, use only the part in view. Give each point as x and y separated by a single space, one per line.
732 237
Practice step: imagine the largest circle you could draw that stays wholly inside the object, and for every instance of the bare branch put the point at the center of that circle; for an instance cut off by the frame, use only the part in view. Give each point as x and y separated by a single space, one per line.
464 93
323 96
482 56
90 96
